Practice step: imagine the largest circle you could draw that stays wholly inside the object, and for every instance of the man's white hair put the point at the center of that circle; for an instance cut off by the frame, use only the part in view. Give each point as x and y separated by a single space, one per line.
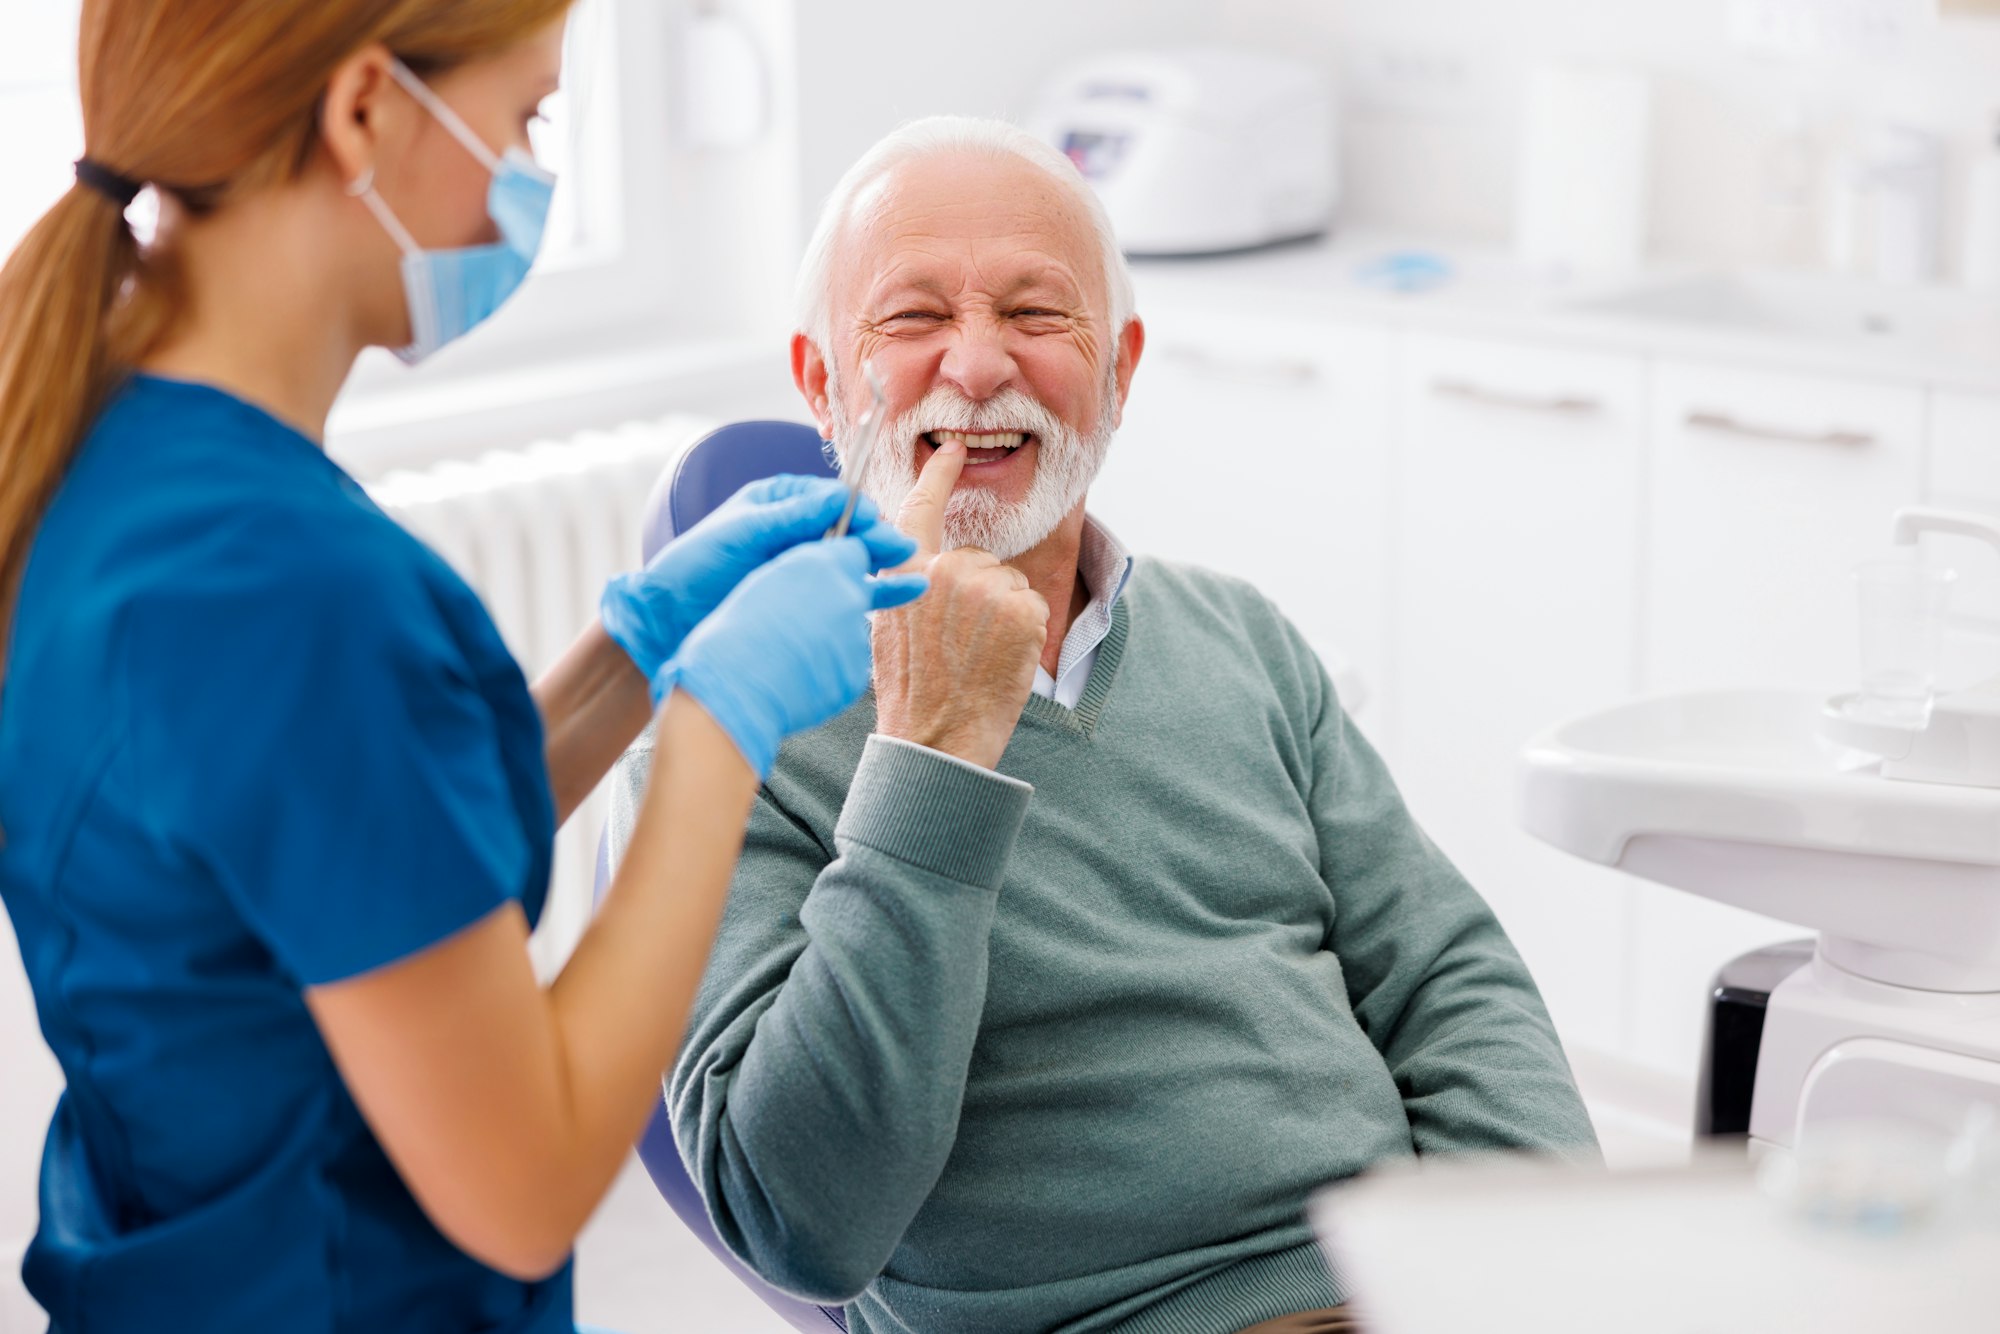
938 136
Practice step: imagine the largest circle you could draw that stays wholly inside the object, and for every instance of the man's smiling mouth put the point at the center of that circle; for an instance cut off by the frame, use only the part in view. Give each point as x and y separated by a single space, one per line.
981 446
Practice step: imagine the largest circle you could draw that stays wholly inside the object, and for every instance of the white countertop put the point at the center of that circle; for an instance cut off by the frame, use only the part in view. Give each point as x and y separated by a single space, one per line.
1492 293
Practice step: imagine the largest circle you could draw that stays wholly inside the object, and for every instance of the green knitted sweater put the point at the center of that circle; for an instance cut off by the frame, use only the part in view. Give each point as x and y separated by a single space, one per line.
1067 1047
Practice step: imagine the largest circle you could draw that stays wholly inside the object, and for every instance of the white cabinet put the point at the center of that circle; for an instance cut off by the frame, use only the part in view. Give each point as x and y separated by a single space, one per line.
1965 449
1516 566
1261 448
1765 490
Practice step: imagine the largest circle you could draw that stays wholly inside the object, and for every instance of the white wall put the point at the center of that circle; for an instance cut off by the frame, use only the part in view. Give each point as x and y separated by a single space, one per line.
1436 158
1715 105
865 68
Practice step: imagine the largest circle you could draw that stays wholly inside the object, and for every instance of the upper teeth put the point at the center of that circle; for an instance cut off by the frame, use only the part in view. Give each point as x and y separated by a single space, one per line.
991 440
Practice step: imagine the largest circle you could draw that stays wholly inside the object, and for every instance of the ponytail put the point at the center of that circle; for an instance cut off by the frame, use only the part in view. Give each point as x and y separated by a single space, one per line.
57 294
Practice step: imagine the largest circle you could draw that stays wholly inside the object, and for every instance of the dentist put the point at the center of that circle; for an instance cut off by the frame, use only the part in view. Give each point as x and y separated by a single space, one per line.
276 804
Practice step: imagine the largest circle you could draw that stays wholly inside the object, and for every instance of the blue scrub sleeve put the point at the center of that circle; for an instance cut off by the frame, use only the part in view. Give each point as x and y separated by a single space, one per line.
306 725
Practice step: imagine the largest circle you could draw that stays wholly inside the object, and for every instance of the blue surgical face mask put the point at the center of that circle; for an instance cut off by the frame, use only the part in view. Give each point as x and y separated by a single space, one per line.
451 292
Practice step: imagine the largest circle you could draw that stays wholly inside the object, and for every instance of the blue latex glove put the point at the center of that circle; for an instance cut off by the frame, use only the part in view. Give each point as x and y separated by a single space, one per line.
649 612
789 648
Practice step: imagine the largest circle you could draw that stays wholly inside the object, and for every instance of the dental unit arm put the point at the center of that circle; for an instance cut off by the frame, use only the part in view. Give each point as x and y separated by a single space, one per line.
1914 521
1960 741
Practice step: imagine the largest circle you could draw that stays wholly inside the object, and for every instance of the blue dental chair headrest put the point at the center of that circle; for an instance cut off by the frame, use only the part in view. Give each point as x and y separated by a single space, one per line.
722 463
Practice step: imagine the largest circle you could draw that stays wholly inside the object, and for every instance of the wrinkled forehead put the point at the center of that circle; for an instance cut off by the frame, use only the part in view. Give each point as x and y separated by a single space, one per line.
966 227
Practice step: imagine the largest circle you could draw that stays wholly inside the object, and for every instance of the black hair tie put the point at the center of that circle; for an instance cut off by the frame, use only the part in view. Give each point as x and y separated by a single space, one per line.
120 190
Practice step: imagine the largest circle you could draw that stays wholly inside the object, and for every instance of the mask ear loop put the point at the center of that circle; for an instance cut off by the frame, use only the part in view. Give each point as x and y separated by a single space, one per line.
362 187
446 117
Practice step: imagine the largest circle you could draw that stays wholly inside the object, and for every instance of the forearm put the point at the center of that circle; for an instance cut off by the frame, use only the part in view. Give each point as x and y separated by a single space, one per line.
620 1006
593 701
508 1107
820 1116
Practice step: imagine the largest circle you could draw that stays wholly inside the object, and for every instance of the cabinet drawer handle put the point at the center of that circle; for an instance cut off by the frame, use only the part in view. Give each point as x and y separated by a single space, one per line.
1277 370
1723 424
1560 405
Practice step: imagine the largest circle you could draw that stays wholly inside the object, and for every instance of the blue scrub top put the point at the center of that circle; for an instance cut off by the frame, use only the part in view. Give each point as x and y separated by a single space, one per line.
253 738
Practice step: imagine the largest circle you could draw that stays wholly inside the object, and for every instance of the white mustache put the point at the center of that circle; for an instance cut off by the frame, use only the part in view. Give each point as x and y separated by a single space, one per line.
946 409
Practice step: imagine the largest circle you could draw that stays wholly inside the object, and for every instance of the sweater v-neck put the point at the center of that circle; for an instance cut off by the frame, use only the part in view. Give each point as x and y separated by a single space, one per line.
1083 718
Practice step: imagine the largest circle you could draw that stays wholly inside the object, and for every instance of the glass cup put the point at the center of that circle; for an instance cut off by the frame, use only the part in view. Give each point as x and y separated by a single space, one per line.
1902 622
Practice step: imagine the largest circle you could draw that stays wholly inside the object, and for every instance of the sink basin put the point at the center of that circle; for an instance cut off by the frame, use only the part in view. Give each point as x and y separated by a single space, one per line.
1731 795
1832 310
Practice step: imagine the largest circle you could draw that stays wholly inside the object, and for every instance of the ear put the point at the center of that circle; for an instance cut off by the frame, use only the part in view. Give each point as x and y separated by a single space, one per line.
809 374
362 109
1131 342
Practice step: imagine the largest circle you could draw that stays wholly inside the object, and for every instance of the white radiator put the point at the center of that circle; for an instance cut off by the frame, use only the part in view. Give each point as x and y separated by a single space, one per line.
536 532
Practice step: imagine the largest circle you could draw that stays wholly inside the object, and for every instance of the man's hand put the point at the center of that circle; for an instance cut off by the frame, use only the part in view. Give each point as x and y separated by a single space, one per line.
953 670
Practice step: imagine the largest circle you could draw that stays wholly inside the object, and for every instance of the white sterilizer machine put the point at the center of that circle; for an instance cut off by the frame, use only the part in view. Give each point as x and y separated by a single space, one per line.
1202 150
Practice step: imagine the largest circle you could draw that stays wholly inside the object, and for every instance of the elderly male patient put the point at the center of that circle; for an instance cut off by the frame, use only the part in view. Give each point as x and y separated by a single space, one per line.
1061 969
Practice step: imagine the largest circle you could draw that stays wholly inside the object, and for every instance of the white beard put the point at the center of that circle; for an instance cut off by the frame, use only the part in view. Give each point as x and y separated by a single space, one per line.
1066 464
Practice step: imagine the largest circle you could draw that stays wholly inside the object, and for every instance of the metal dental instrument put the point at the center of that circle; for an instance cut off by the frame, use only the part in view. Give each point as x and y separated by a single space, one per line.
866 432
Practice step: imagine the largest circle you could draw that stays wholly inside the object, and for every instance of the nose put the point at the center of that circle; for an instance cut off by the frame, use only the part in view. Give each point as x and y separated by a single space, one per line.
977 362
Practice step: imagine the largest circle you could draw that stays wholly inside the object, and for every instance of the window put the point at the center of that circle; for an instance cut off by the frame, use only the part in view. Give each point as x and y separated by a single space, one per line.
37 98
590 285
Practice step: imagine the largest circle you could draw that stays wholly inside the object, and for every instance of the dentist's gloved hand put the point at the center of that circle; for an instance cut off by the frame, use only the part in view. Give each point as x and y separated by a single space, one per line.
789 648
649 612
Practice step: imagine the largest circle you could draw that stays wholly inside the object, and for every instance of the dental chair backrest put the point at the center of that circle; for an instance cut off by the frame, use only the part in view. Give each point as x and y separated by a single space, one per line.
710 472
722 463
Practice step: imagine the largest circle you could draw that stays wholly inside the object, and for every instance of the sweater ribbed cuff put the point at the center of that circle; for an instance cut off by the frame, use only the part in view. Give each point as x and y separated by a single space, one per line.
1264 1288
935 812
